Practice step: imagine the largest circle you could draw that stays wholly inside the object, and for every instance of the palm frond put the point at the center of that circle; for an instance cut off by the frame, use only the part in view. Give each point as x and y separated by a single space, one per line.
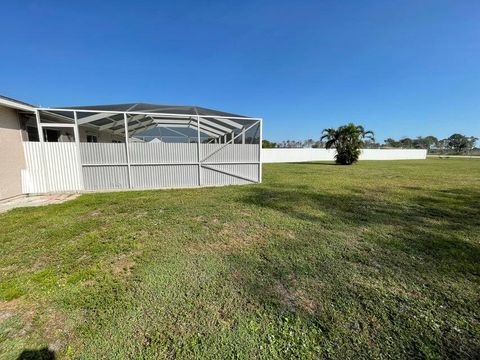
328 133
369 135
330 144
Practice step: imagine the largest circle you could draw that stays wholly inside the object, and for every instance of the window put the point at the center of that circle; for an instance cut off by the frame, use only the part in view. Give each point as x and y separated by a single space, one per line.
116 141
51 135
32 133
92 138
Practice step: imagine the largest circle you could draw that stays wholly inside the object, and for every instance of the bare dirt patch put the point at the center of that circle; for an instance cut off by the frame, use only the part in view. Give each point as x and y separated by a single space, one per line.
295 299
123 264
232 236
51 326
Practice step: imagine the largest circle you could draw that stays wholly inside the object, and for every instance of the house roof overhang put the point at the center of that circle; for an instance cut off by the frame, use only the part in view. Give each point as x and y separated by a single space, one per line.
16 104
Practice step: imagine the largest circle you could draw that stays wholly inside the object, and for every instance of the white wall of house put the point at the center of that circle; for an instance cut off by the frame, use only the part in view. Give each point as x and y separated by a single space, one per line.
12 159
305 155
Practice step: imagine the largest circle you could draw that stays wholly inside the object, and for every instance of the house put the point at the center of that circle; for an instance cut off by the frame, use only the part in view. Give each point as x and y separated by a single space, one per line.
12 134
124 146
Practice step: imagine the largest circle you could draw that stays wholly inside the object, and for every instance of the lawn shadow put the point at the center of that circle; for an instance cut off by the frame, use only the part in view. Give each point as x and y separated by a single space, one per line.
423 223
315 163
41 354
410 245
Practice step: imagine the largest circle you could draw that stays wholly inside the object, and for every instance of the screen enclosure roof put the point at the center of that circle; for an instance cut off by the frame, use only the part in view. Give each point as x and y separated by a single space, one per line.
145 116
156 108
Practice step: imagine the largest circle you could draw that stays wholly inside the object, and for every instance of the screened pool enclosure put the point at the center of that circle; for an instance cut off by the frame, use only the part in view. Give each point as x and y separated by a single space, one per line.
139 146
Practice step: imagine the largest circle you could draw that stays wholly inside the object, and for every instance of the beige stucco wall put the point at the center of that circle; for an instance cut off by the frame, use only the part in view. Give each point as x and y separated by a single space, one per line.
12 159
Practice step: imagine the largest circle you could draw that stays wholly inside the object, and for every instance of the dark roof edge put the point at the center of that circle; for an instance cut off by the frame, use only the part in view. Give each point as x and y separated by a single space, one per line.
149 107
10 102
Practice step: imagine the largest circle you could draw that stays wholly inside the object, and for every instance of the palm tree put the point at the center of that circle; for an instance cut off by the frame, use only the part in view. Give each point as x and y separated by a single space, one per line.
347 140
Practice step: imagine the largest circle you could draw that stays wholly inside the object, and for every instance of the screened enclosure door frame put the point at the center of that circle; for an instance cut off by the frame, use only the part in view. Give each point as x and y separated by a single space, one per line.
206 163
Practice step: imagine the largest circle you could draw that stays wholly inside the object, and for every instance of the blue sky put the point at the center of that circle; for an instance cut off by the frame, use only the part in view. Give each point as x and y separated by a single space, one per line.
401 68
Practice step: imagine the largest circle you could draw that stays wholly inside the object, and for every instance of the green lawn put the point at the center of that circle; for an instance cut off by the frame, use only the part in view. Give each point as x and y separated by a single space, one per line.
375 260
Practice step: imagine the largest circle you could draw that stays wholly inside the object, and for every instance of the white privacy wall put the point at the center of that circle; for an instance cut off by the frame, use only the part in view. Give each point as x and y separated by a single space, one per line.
393 154
51 167
304 155
56 167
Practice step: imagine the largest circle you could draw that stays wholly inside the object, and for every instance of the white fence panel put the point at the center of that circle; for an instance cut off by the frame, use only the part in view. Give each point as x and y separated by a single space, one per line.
34 178
103 153
393 154
155 153
230 152
54 167
304 155
296 155
105 177
229 174
164 176
51 167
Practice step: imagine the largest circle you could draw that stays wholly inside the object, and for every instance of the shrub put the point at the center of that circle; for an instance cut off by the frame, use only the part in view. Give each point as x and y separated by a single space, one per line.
347 140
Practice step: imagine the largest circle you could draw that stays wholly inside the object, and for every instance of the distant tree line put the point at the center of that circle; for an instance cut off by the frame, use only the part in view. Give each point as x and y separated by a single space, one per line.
455 144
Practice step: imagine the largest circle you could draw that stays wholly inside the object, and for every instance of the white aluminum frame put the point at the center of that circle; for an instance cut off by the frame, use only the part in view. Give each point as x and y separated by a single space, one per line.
201 123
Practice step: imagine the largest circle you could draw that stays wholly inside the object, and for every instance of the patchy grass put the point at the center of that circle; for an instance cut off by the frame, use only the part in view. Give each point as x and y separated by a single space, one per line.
377 260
